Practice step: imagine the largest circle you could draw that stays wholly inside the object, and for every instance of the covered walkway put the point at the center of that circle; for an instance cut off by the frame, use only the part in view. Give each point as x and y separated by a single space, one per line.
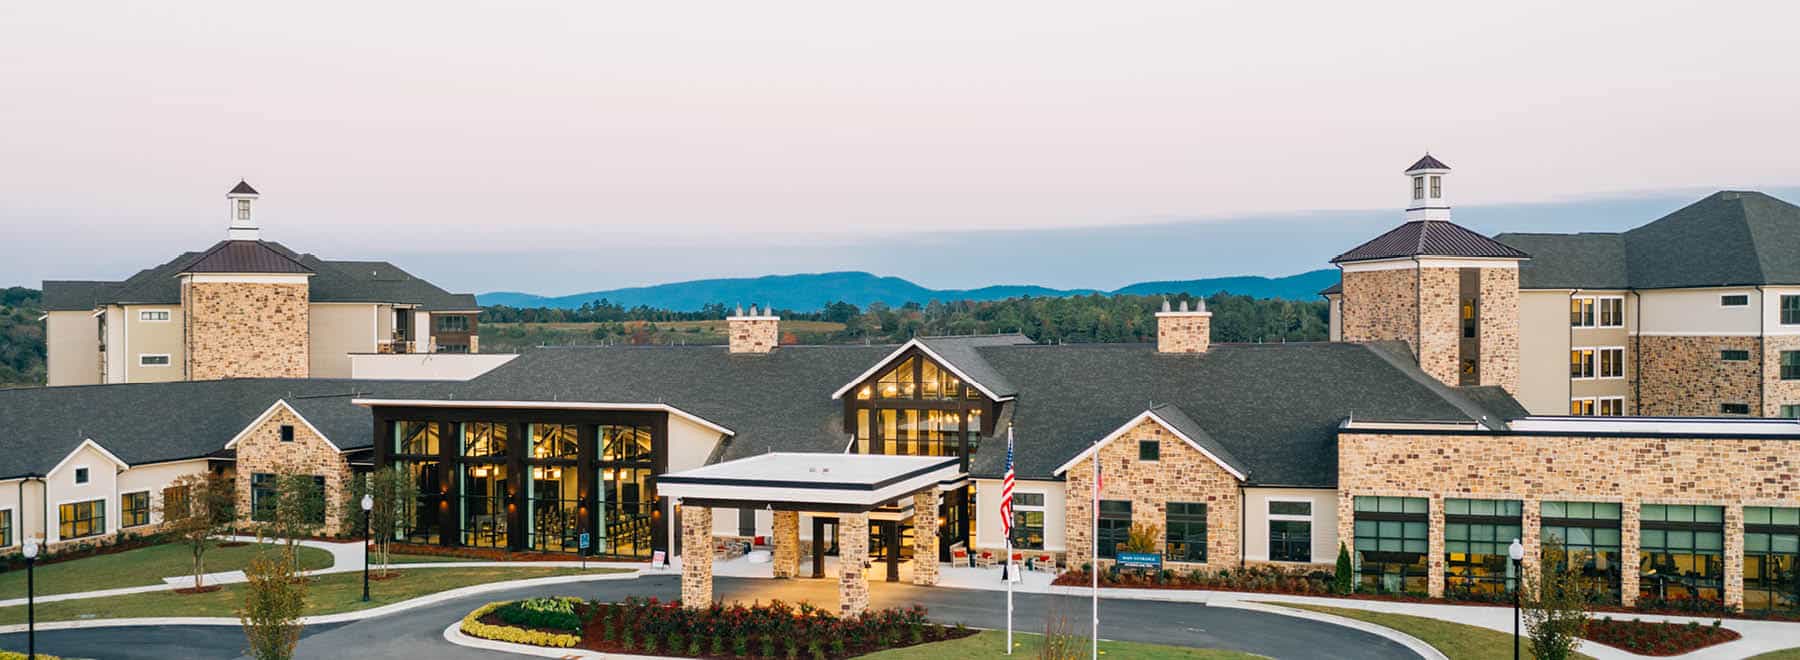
851 487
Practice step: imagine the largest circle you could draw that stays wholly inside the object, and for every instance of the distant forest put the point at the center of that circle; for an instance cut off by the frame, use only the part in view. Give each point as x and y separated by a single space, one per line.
21 337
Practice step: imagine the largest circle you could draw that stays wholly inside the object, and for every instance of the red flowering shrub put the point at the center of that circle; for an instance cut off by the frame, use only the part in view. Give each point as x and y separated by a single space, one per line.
1647 638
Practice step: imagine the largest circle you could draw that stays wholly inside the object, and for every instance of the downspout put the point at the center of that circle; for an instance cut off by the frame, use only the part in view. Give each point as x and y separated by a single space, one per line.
1637 354
1571 377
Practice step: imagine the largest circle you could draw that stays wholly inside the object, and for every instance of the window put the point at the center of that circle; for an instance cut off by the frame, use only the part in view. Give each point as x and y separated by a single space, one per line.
484 439
1437 187
1581 363
1186 527
1418 187
1734 408
1290 530
1612 362
1581 312
153 315
418 438
1589 532
484 500
1612 406
175 502
1790 365
81 475
1392 540
554 441
453 348
287 432
79 519
134 509
1771 558
6 528
243 210
1115 526
1734 355
453 324
1734 300
1281 508
1477 534
1612 312
1581 407
153 359
625 444
1790 410
1469 322
1028 521
262 497
1681 552
1790 310
1149 450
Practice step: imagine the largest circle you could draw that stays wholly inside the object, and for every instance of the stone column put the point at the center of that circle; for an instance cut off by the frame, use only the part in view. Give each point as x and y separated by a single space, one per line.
787 544
925 537
1629 540
696 556
853 564
1531 531
1434 546
1734 557
1346 531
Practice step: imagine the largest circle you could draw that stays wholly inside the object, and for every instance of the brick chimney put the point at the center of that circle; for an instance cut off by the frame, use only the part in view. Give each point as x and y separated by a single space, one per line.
1183 330
756 332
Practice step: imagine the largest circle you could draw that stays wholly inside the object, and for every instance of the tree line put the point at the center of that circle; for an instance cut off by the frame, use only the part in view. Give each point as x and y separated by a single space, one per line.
22 352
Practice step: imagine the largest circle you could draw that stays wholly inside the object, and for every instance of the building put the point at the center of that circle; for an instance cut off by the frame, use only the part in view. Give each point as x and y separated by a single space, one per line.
247 308
1694 314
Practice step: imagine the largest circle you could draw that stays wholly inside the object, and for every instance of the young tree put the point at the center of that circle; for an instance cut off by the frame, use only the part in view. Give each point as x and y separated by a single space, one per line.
396 494
1556 614
272 607
196 508
1344 581
299 511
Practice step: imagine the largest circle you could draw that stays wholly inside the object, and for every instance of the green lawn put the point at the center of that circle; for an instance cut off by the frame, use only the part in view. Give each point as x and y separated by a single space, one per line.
338 592
992 644
1784 654
1458 641
140 567
397 559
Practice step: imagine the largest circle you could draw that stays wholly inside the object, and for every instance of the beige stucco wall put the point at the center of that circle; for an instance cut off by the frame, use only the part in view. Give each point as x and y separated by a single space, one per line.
155 478
27 519
1324 521
1544 351
72 348
339 329
989 532
689 443
153 337
116 345
1337 317
102 485
1698 312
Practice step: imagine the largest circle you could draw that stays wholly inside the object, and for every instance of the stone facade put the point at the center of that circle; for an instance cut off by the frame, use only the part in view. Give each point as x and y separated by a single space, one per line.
1500 328
262 451
1733 473
1183 332
696 566
753 334
1440 327
246 330
853 564
925 537
1381 305
786 528
1684 376
1778 392
1182 474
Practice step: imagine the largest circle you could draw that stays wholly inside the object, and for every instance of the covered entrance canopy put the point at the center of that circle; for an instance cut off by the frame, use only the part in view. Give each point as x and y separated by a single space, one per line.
849 486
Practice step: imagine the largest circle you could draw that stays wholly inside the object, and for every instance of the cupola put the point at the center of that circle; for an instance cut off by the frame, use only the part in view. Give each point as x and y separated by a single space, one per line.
242 202
1426 198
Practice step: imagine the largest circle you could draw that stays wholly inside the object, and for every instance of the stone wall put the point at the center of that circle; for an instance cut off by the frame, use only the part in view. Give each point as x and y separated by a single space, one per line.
1683 375
1183 332
786 530
246 330
1500 328
753 334
1440 323
1381 305
925 537
1730 472
697 562
853 564
262 451
1182 475
1778 392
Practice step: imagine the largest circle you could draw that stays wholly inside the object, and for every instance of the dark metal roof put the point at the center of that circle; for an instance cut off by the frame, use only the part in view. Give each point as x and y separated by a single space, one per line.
1433 238
1428 163
242 188
244 257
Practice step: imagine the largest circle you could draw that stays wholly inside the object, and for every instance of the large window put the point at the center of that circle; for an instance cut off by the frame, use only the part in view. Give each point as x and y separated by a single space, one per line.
1186 532
1290 530
1581 312
1771 558
1612 312
554 441
1790 410
553 521
134 509
453 323
1612 362
917 408
416 438
1681 552
1028 521
81 519
1790 310
1589 533
627 503
262 497
1391 542
419 519
484 439
1477 534
483 511
1115 526
1790 365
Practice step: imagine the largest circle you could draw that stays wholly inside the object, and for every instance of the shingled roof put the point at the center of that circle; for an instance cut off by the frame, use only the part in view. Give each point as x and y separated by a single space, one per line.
1430 238
332 281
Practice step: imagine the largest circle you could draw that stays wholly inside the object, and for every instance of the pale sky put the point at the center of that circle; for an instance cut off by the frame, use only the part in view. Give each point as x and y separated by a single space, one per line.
387 129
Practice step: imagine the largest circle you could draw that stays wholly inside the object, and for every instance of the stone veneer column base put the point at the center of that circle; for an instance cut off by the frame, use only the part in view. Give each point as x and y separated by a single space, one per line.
1630 540
925 538
696 556
1434 560
853 564
787 544
1734 558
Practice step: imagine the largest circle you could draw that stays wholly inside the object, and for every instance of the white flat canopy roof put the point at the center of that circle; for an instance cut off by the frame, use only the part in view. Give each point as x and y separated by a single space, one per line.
1659 425
840 480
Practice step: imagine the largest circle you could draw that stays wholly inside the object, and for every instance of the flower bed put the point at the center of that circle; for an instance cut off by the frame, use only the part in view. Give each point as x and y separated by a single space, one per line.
487 622
774 630
1649 638
1258 579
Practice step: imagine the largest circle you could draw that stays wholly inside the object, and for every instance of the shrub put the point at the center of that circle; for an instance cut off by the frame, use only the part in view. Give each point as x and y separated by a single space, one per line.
552 613
272 606
1344 581
1556 614
472 626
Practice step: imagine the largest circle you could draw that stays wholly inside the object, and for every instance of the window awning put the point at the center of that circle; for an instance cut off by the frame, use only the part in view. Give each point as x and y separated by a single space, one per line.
809 482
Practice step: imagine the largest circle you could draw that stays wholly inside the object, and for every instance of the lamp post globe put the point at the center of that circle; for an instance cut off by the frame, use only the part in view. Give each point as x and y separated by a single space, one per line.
1516 552
31 552
368 504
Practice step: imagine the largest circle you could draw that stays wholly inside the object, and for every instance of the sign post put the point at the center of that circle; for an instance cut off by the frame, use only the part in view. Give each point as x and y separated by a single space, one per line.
584 550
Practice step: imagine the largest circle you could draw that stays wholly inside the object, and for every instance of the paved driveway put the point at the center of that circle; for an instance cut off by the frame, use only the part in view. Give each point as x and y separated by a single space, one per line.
419 633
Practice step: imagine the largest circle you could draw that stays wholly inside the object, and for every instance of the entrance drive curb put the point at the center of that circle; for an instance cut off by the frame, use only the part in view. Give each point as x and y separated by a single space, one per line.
1414 644
391 608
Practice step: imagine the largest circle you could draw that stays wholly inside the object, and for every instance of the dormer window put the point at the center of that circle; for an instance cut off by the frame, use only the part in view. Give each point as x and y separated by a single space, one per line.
243 209
1418 187
1437 187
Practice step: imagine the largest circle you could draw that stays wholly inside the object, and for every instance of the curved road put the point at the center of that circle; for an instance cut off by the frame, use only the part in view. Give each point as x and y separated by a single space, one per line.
418 633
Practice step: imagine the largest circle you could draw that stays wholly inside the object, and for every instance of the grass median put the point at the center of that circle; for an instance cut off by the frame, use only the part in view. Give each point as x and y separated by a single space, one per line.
326 594
992 644
141 567
1455 640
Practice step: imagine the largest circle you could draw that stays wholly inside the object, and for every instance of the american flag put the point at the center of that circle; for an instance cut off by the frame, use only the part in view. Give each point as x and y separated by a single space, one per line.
1006 487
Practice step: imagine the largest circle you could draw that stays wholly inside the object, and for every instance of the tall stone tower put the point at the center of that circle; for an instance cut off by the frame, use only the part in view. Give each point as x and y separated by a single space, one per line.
1450 294
245 304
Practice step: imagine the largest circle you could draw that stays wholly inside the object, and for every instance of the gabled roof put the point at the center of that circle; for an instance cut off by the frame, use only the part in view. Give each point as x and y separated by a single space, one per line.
1430 238
1428 163
332 281
1571 261
1178 423
242 188
74 295
959 355
244 257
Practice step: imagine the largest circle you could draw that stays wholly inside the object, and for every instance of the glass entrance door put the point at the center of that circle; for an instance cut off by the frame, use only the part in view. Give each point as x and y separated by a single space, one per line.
825 543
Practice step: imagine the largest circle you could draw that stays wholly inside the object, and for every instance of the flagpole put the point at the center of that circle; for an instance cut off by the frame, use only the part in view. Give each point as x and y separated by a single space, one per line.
1094 563
1006 563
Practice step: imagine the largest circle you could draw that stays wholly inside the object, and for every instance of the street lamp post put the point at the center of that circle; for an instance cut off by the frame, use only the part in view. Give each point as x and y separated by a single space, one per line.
31 553
1517 552
368 504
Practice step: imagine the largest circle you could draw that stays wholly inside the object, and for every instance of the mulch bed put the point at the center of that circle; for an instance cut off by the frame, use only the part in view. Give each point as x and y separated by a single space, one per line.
593 639
1655 638
233 544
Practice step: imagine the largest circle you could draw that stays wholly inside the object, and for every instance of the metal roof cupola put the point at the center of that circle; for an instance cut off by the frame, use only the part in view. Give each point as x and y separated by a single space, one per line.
1428 201
241 200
